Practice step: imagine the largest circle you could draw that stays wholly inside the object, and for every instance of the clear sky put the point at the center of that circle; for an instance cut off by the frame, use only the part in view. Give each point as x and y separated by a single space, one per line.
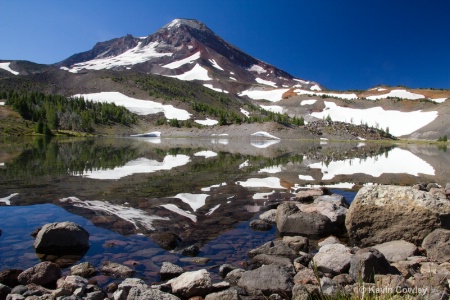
341 44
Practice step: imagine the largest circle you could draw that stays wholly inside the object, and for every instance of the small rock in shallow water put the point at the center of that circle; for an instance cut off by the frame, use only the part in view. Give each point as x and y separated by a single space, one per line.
260 225
116 270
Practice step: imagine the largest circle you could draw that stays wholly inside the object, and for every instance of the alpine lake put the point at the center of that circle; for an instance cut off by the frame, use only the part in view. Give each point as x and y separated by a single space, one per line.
121 190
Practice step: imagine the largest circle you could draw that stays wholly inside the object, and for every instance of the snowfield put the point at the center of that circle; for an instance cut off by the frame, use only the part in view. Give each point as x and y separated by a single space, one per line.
396 161
215 65
136 55
270 95
138 106
7 200
5 66
341 96
187 60
315 88
273 108
246 113
257 69
210 86
207 122
404 94
197 73
206 153
399 123
140 165
308 102
177 210
2 103
266 82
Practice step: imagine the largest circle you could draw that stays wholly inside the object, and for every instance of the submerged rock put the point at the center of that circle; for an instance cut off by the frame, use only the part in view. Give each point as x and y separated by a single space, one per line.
116 270
166 240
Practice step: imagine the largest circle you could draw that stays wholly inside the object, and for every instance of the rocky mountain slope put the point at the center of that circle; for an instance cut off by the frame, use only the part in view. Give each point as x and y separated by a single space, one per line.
185 63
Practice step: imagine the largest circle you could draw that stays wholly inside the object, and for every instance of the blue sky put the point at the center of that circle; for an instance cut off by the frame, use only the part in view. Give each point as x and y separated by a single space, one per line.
340 44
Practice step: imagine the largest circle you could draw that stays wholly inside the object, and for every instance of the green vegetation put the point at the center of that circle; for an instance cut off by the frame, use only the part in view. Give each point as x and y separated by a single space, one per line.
442 139
55 112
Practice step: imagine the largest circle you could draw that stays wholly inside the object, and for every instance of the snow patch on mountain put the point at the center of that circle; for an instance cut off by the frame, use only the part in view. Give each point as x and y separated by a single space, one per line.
399 123
216 65
258 69
136 55
197 73
207 122
177 210
210 86
195 201
336 95
315 88
270 95
404 94
246 113
266 82
273 108
179 63
308 102
6 66
138 106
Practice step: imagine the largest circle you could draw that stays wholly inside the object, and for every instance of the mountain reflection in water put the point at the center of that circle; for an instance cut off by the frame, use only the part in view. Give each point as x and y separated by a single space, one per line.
202 190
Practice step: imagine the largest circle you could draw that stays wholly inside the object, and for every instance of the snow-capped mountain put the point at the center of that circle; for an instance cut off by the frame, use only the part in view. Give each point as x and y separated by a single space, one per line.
187 50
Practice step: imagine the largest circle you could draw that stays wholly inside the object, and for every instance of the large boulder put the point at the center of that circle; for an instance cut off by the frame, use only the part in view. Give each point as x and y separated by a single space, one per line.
292 221
44 274
437 245
267 280
8 277
381 214
189 284
64 238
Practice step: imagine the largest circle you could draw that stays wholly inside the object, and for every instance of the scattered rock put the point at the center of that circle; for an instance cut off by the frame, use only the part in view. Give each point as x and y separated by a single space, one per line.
292 221
269 216
381 214
9 277
71 283
148 293
166 240
234 276
192 250
264 259
189 284
436 245
225 269
84 269
395 251
306 276
260 225
329 240
116 270
306 292
4 291
230 294
45 274
297 243
195 260
276 247
63 238
333 259
309 195
267 280
366 263
169 270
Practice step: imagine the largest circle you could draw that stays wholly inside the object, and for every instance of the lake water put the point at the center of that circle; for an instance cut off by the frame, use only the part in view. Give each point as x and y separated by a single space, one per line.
207 191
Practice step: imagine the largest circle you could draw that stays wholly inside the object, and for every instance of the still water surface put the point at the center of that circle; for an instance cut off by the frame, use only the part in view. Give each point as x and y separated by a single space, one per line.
206 191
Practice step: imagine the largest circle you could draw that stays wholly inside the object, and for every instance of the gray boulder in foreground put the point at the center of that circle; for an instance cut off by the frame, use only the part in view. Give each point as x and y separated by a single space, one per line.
333 258
62 238
44 274
381 214
189 284
292 221
396 251
267 280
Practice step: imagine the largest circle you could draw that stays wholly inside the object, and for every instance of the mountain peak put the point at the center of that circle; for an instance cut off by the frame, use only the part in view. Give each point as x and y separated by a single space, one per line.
187 22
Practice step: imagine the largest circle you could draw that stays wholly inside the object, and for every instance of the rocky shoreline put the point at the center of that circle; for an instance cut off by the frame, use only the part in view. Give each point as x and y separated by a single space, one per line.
391 241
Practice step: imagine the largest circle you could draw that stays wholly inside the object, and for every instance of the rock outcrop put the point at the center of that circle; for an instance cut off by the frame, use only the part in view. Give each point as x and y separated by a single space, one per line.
381 214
